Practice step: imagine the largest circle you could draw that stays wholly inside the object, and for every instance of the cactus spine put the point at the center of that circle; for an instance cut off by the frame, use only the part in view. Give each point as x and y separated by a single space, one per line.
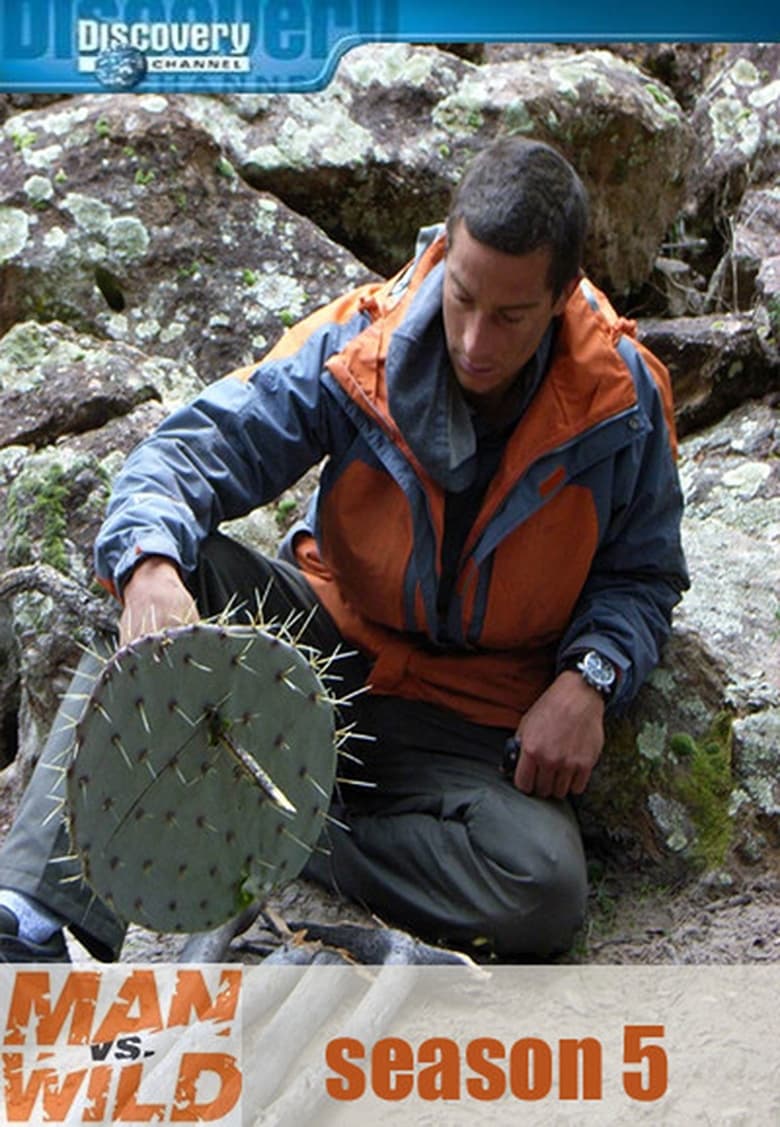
202 770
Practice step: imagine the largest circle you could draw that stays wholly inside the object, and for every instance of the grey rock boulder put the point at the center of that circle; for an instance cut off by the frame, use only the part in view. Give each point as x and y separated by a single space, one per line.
124 220
735 126
375 155
56 382
715 361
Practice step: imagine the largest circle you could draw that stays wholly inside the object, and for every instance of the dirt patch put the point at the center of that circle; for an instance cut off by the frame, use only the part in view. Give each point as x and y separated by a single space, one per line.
629 921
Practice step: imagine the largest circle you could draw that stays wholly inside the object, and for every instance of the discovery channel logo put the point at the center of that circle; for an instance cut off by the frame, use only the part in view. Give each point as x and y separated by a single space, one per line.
203 45
122 54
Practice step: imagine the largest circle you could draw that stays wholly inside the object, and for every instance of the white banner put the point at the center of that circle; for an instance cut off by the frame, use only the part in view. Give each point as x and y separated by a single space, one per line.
261 1046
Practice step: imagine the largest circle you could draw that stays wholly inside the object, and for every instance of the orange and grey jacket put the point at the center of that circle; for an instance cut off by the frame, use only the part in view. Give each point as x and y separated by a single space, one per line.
577 541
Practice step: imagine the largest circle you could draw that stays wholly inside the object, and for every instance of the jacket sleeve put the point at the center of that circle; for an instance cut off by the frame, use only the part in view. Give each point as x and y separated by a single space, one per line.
639 572
238 445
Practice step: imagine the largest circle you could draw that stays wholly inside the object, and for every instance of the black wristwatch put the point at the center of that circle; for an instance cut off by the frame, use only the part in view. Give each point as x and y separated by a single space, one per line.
597 671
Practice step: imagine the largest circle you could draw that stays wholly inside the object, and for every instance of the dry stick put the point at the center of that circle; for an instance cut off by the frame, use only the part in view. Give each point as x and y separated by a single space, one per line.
212 946
48 581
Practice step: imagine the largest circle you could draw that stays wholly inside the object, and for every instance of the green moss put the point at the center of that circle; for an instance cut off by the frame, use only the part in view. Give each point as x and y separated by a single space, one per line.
704 786
624 776
693 773
460 112
45 505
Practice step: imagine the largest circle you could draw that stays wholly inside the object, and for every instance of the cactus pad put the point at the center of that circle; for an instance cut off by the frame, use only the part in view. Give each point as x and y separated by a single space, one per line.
202 772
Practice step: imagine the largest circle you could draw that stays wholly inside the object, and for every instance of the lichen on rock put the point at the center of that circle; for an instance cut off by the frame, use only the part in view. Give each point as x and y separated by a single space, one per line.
14 231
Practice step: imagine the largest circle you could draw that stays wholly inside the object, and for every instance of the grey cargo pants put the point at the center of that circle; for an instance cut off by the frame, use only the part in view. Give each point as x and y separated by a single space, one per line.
443 845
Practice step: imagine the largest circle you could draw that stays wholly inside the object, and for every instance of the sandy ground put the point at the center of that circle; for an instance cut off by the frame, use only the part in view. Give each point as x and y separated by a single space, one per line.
629 921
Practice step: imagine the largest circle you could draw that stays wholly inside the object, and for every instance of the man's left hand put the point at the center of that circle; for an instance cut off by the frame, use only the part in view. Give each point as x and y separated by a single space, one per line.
561 737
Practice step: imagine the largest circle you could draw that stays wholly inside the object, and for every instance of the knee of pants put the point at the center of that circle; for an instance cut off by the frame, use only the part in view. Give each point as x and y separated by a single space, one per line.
542 920
535 876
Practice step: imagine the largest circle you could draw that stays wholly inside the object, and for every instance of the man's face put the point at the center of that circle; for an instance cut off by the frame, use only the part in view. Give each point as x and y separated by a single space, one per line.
496 310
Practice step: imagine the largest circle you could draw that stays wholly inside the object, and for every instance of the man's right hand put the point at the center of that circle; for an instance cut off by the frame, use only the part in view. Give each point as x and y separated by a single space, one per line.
155 598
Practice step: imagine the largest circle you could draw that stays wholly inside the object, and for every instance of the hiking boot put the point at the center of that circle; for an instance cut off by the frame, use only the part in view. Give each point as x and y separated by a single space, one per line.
15 949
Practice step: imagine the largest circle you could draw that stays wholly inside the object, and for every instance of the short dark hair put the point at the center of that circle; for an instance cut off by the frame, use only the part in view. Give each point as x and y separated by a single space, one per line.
518 196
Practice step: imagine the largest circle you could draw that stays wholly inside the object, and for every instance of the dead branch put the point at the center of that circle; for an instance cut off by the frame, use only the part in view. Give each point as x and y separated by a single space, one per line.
66 592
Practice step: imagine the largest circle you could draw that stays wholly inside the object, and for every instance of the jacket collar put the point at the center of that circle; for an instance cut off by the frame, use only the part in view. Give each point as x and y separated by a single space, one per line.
398 372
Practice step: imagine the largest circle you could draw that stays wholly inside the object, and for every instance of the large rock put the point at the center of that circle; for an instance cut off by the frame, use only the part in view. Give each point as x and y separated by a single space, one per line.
375 155
15 103
752 264
731 480
682 67
56 382
364 157
731 476
615 124
690 775
715 361
735 126
123 219
50 510
756 238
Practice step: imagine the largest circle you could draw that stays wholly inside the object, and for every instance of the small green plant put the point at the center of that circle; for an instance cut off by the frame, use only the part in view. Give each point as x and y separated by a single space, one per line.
284 510
248 277
288 318
23 139
225 168
145 176
102 127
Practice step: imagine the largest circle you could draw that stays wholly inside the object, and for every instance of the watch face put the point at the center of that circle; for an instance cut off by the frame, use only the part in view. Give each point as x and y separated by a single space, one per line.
597 670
